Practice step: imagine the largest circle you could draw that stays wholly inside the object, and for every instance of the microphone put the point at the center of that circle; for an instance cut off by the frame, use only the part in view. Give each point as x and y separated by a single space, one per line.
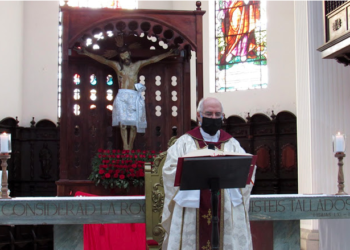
211 146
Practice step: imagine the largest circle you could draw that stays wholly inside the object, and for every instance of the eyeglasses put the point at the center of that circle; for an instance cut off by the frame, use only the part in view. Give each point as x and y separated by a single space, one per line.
212 114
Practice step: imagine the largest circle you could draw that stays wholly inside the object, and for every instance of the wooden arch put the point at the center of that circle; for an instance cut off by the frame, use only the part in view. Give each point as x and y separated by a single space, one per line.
167 82
138 25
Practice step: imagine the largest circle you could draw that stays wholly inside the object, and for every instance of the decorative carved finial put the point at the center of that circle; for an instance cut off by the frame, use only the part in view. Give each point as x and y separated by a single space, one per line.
17 121
32 123
198 4
248 117
273 116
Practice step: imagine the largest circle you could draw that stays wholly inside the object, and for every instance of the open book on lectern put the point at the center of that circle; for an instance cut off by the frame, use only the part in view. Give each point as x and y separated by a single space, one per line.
233 170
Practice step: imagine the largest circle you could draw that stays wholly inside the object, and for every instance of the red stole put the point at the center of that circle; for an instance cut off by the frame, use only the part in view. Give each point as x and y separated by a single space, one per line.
204 213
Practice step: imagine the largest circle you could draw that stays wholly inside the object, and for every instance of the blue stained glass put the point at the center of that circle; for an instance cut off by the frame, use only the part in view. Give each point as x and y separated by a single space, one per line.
109 80
93 80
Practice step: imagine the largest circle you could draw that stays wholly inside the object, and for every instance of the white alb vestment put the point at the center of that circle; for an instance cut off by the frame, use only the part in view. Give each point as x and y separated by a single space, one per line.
129 108
179 221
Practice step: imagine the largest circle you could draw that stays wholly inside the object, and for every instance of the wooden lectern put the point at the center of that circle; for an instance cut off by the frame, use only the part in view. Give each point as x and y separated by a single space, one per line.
214 173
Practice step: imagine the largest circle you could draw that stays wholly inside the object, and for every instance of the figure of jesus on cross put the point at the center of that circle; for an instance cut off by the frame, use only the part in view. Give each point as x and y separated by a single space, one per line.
128 105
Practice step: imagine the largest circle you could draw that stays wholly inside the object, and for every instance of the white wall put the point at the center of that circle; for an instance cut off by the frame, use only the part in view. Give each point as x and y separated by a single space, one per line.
323 97
11 60
40 61
161 5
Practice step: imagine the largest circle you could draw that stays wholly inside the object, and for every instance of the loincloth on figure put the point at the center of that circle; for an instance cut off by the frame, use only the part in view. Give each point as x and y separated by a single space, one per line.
129 108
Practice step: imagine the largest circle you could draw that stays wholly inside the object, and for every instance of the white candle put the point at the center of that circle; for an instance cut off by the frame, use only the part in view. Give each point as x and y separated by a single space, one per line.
5 143
338 143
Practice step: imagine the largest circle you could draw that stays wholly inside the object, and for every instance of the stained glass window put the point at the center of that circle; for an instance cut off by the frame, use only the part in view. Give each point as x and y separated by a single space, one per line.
76 95
76 79
93 80
109 95
109 80
76 109
240 34
93 93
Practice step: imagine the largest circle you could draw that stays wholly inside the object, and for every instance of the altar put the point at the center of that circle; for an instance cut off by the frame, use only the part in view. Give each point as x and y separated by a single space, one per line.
68 214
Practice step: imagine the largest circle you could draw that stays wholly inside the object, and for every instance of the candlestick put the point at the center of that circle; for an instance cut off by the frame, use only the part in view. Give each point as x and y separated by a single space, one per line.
5 143
338 143
340 156
4 187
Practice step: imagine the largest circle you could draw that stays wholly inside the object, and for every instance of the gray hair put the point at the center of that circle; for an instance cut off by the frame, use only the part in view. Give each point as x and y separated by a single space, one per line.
200 105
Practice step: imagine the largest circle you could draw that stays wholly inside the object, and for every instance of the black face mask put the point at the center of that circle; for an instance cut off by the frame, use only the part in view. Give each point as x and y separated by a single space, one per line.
210 125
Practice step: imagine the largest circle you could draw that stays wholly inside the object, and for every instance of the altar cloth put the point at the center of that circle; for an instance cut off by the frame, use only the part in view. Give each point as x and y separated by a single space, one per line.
121 236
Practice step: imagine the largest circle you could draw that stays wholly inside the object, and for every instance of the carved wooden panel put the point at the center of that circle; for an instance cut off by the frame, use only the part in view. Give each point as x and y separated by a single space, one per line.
86 108
273 139
32 171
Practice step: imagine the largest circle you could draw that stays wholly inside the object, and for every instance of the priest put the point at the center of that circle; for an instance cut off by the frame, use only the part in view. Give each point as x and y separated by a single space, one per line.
187 215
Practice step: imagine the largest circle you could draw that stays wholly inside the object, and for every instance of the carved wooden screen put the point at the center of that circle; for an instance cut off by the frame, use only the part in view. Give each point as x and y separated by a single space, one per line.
86 120
274 140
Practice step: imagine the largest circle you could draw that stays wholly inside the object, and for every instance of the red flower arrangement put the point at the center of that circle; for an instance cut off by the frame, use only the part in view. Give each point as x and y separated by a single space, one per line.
119 168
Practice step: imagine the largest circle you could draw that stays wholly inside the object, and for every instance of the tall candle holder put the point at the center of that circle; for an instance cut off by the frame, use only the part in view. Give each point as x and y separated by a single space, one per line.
4 186
340 156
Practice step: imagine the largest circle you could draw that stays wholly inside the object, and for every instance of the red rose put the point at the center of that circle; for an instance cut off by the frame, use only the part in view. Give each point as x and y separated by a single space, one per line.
114 151
132 151
100 150
108 175
122 177
153 151
99 156
101 171
115 175
110 171
150 157
118 156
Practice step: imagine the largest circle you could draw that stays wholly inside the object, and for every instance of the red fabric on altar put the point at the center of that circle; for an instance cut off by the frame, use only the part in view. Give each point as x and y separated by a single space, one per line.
131 236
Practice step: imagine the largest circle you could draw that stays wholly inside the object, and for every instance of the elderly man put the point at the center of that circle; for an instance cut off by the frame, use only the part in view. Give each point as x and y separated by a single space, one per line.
186 214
